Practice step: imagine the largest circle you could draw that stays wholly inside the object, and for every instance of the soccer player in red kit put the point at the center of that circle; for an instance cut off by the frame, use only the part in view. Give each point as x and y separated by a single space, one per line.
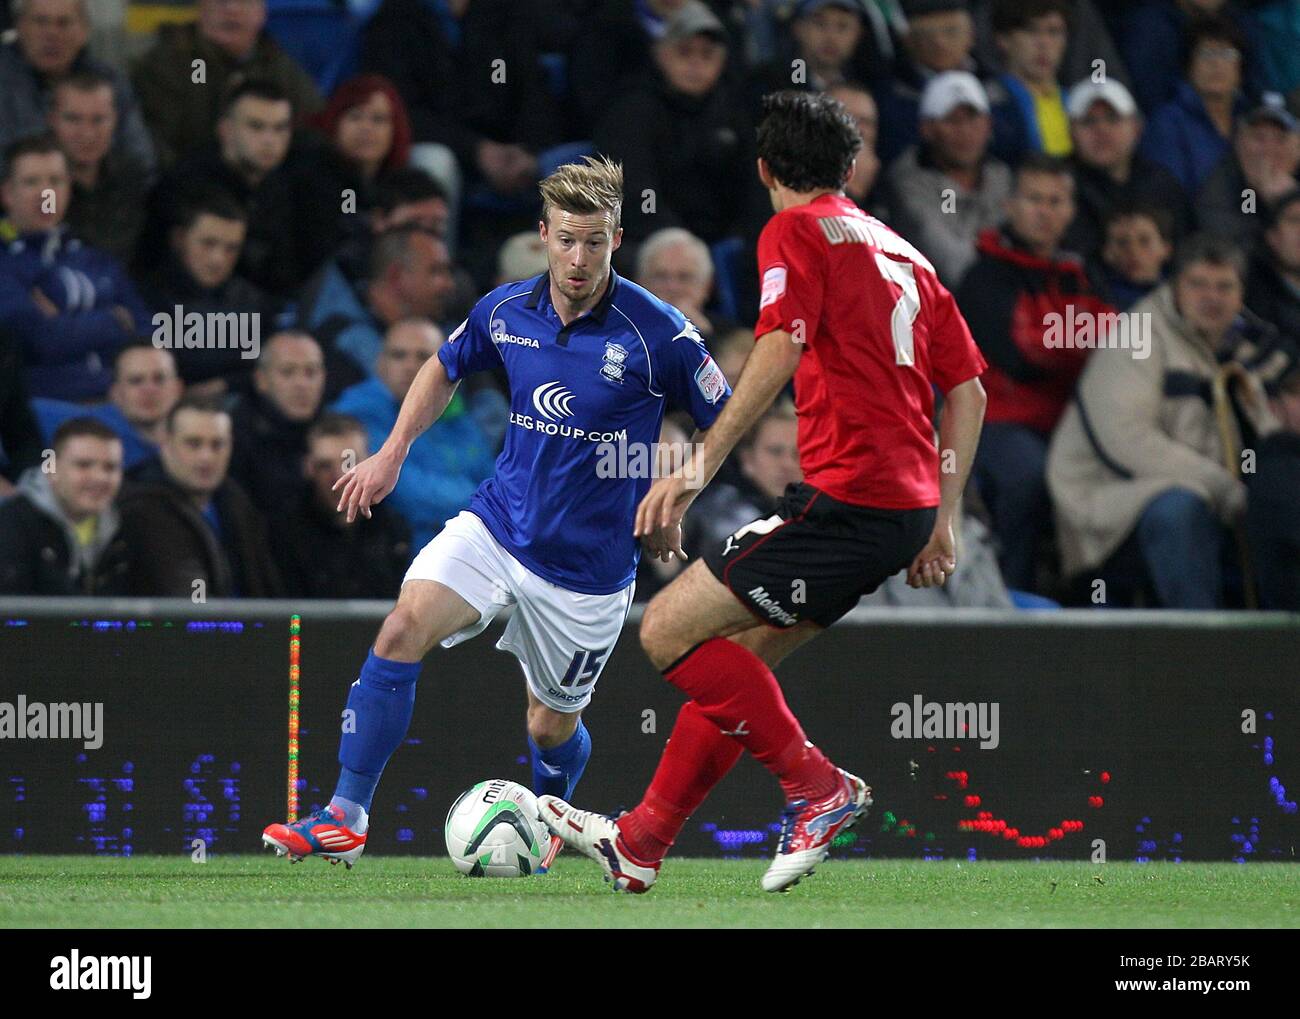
856 316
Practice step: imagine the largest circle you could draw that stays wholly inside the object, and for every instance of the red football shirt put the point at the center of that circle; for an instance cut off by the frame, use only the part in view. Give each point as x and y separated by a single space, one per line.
878 330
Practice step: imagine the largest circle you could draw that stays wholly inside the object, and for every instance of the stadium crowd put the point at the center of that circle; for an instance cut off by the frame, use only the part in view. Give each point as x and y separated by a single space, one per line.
235 229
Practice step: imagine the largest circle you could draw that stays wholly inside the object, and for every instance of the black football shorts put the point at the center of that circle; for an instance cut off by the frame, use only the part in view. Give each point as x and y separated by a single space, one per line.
816 556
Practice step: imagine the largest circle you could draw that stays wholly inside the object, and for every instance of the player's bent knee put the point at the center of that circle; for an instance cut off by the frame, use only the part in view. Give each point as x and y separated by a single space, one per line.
549 728
404 636
657 638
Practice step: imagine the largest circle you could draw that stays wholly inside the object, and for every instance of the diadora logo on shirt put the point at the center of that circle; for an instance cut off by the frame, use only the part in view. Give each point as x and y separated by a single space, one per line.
500 336
552 401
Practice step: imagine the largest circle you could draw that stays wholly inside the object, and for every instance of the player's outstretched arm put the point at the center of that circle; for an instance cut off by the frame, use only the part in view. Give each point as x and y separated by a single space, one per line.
769 368
959 433
371 480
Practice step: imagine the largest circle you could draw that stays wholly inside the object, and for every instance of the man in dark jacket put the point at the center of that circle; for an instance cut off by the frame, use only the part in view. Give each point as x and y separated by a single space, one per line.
204 245
1273 285
226 39
194 531
320 554
271 422
682 137
60 535
1020 298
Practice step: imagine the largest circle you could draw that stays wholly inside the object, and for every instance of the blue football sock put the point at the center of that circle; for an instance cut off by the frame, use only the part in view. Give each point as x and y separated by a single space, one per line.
556 770
381 702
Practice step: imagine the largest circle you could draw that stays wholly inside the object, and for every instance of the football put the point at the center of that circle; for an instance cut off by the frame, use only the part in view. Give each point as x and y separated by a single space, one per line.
494 830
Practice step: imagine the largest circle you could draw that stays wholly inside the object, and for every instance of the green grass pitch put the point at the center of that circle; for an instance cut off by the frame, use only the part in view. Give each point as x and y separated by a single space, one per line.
263 891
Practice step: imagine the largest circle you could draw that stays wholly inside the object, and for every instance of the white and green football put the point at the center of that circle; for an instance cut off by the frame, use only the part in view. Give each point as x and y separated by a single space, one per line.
495 830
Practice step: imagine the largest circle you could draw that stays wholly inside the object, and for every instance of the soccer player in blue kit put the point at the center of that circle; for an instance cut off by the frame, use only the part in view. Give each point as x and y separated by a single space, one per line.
591 360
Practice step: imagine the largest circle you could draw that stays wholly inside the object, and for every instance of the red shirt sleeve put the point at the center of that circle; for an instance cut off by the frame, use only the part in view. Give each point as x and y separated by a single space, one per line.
792 271
954 356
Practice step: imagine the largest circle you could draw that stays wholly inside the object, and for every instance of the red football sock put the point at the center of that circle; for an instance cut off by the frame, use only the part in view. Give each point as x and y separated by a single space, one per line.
738 693
694 761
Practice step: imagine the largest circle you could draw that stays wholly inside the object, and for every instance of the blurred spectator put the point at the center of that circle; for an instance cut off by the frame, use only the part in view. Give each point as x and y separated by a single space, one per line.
1106 125
521 257
192 529
1022 291
60 535
827 36
1273 509
675 266
271 422
731 351
20 436
402 197
940 37
293 223
145 388
610 53
367 135
1139 243
942 194
1273 284
767 459
183 77
320 554
448 460
204 245
683 137
108 190
1028 109
50 45
1189 133
1136 469
861 185
1089 43
410 276
471 79
1259 169
69 304
1153 36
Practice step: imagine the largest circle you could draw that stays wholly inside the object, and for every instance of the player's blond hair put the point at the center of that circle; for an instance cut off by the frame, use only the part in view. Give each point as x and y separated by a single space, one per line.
594 185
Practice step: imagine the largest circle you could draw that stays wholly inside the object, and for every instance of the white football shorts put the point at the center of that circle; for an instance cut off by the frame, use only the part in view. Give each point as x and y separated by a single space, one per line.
562 638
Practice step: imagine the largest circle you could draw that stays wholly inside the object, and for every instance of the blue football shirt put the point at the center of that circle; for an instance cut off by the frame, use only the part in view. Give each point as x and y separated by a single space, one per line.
582 397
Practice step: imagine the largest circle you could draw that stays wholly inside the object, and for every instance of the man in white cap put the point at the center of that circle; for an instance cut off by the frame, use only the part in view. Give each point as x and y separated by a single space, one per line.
942 192
1105 125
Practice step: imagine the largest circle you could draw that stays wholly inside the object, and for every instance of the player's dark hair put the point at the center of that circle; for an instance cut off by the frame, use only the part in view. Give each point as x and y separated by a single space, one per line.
1160 217
202 404
209 202
405 186
1208 249
1043 164
1013 15
32 145
1211 28
259 88
808 140
79 427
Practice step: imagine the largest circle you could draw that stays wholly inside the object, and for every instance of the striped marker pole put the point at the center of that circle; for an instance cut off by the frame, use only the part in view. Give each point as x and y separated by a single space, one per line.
295 646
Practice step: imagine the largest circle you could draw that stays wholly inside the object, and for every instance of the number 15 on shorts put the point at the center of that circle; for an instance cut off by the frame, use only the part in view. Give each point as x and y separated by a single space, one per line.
585 667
